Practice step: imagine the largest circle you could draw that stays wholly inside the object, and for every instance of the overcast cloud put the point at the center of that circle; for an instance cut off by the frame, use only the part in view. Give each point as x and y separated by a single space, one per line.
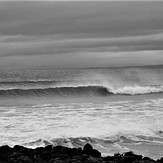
80 34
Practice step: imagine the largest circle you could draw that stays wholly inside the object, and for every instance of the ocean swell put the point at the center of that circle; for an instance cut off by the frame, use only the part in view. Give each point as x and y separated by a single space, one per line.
80 90
58 91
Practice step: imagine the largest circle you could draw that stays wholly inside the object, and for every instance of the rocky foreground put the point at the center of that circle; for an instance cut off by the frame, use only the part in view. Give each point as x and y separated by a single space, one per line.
60 154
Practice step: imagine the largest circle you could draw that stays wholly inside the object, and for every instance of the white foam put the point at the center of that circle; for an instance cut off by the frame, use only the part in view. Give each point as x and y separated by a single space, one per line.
136 89
106 120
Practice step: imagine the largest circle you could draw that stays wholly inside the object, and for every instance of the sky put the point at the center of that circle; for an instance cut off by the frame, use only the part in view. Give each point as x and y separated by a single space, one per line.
68 34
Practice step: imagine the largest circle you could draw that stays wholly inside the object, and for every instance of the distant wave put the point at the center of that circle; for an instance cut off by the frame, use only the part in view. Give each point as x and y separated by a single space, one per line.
28 82
79 90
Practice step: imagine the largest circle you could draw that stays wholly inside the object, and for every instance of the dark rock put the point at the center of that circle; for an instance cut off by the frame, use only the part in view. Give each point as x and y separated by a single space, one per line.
15 155
5 149
39 150
19 148
95 153
58 160
130 153
84 157
138 157
76 151
127 157
108 158
39 160
130 157
146 158
160 160
122 160
24 159
52 160
49 148
60 154
58 149
117 155
94 160
88 147
46 155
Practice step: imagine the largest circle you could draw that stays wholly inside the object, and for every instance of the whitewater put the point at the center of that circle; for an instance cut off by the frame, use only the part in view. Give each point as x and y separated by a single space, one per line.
114 109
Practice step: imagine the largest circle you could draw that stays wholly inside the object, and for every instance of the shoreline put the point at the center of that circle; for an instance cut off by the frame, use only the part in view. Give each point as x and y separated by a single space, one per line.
61 154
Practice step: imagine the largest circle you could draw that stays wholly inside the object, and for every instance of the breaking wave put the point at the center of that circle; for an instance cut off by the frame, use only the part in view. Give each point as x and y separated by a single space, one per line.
103 142
80 90
58 91
101 82
134 90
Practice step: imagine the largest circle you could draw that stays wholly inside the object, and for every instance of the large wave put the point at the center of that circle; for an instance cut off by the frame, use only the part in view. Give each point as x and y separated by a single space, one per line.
79 90
113 81
58 91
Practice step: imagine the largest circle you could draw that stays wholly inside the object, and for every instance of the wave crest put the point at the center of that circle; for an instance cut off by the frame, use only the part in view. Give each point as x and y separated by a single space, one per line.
81 90
58 91
134 90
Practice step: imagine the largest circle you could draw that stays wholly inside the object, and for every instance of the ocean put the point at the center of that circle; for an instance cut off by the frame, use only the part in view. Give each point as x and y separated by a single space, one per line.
113 109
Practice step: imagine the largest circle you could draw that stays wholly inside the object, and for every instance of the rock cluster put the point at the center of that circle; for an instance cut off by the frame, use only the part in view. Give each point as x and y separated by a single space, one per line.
60 154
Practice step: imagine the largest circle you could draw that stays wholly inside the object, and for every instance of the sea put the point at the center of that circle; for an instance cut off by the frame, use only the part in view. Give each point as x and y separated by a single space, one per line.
114 109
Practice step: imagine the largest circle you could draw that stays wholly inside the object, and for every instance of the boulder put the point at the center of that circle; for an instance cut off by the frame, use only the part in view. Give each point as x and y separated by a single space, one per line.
88 149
